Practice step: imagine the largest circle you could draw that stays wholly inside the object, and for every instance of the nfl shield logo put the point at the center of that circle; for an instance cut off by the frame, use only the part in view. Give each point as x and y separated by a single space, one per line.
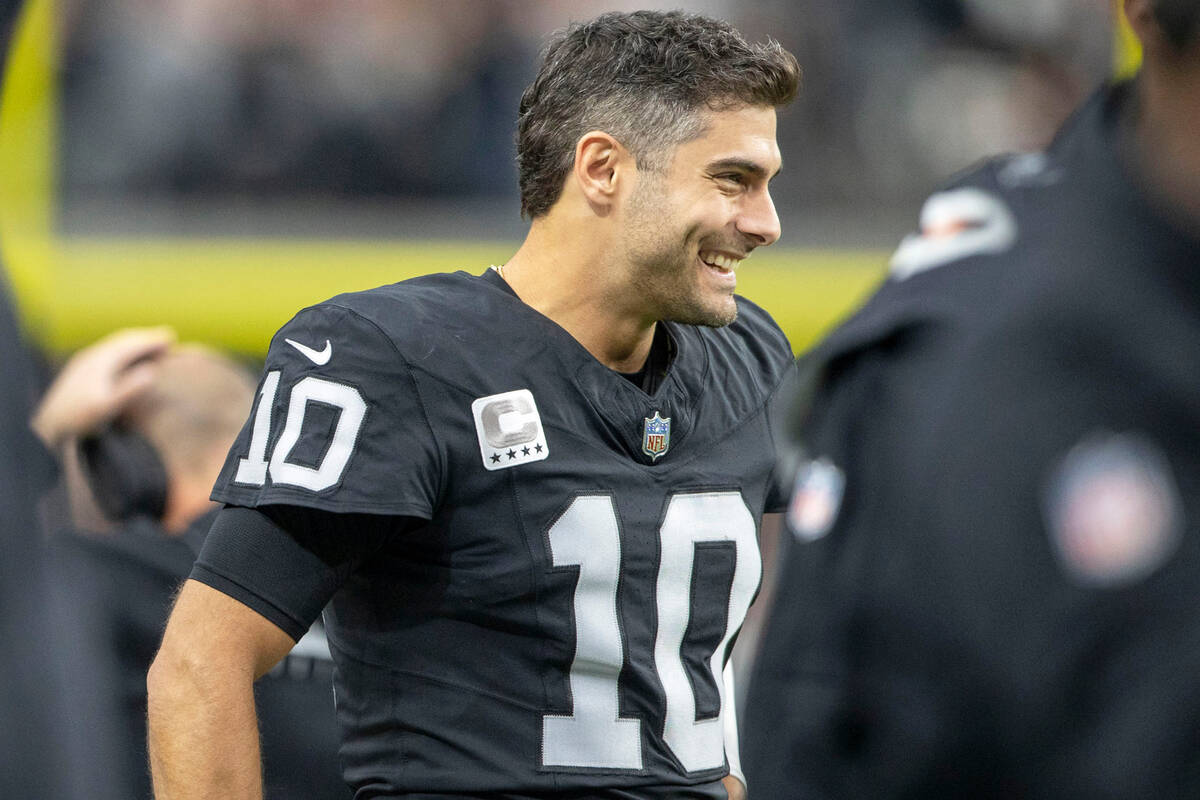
1114 510
816 498
656 438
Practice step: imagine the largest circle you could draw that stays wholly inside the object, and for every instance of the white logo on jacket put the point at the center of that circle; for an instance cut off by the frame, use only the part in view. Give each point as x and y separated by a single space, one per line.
954 225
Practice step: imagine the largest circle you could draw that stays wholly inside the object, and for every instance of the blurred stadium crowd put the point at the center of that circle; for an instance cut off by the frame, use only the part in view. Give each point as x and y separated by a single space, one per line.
378 101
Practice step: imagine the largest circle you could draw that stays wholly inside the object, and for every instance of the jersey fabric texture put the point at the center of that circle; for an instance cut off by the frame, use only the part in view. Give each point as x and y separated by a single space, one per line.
1004 604
536 568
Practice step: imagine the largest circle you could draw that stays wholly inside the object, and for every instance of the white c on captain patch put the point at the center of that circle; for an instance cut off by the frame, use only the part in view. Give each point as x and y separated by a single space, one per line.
509 429
512 422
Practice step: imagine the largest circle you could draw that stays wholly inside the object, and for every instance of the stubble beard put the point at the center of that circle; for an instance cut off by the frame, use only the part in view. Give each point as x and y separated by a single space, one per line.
671 282
664 265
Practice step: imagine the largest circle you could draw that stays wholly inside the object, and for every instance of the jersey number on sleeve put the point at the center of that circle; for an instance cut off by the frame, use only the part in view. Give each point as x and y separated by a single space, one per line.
586 535
351 409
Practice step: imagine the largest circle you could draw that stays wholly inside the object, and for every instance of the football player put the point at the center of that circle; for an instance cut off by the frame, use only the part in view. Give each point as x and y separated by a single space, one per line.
990 585
528 497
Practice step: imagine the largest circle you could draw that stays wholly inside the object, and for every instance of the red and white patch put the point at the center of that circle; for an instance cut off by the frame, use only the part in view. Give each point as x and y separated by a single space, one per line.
955 224
816 499
1113 510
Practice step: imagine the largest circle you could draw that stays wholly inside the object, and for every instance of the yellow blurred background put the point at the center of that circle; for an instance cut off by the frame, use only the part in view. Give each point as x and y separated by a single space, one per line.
234 290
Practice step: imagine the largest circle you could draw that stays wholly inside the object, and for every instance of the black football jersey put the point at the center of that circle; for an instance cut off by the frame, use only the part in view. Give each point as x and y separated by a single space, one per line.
579 557
988 588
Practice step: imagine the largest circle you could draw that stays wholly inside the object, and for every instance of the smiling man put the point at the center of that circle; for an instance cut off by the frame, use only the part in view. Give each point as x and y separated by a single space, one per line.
529 499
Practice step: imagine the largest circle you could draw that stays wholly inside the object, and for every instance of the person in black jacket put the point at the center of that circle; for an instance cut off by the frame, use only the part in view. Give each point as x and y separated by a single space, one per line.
142 428
989 585
32 760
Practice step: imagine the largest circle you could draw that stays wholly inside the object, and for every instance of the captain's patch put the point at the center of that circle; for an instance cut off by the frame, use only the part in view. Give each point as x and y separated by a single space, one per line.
509 429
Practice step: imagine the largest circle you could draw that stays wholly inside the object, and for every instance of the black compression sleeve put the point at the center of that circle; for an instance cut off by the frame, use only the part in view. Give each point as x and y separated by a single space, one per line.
286 562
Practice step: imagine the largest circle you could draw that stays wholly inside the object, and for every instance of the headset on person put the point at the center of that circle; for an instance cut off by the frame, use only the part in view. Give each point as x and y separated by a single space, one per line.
125 473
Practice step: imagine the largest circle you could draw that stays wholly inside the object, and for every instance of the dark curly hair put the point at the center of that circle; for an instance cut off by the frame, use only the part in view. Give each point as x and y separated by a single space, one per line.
645 78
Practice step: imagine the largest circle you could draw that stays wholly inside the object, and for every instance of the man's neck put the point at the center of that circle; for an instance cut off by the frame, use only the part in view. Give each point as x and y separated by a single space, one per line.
569 280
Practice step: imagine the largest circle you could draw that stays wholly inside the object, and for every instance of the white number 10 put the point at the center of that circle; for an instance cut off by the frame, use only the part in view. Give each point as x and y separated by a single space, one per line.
351 409
587 536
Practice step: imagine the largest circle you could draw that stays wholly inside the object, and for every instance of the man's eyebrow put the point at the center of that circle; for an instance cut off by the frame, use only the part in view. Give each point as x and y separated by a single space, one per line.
743 165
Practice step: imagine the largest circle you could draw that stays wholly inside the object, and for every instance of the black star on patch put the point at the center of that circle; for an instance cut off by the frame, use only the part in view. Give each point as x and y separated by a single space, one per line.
495 458
538 447
525 450
511 454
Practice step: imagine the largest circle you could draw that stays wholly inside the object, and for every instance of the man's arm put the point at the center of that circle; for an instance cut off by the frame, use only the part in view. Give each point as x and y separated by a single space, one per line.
203 729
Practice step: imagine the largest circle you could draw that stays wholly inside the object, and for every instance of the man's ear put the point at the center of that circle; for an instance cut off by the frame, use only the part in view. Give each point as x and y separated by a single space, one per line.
602 164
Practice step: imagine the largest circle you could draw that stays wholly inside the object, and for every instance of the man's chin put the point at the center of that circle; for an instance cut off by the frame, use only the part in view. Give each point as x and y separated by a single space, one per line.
716 316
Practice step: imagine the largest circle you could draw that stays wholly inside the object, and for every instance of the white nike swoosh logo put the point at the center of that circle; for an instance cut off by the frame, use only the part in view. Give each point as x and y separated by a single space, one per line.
318 357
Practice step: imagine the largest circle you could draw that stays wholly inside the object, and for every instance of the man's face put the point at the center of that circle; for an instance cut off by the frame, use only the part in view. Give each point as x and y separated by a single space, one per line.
688 228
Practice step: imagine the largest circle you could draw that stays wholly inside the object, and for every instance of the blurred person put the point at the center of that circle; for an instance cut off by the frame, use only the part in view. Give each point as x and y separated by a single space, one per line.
33 760
142 428
88 393
531 496
989 585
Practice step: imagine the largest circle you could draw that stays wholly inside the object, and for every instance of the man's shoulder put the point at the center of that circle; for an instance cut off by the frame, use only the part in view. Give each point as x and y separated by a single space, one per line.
990 235
406 319
945 284
435 289
982 217
1021 210
397 309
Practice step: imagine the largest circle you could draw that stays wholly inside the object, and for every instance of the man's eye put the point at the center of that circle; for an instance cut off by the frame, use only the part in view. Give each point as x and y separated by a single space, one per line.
732 177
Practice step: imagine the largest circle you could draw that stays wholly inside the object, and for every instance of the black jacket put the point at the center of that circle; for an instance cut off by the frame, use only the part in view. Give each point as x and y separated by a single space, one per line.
1004 604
